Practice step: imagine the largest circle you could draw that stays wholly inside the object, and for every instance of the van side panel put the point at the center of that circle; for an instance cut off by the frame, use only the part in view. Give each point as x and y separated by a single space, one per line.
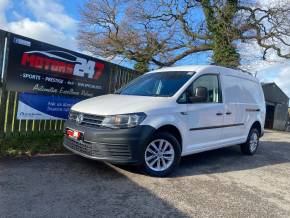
233 94
244 100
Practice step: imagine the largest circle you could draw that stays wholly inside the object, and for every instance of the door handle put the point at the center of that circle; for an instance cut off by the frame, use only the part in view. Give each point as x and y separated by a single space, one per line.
219 114
228 113
184 113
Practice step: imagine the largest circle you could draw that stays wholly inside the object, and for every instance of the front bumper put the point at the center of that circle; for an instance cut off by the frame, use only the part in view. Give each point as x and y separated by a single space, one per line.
112 145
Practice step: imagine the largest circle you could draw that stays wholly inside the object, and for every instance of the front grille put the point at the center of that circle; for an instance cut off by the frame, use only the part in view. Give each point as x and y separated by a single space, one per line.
100 150
82 147
88 119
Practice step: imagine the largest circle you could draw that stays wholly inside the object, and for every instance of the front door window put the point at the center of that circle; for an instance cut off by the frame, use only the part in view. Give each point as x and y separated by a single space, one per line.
211 85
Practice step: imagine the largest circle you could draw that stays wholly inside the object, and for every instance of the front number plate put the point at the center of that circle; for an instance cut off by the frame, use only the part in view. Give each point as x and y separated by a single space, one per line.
75 134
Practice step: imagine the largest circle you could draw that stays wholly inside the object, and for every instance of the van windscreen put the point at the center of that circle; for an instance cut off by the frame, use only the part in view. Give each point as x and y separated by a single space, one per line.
161 84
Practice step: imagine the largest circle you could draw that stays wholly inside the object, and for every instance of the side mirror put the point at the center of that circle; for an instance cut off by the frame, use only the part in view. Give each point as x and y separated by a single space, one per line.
200 95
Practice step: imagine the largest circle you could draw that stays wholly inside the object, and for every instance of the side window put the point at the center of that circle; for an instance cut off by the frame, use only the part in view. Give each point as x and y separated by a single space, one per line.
205 89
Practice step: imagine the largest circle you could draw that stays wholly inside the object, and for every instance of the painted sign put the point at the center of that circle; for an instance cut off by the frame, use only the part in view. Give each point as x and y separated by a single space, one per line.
38 67
44 107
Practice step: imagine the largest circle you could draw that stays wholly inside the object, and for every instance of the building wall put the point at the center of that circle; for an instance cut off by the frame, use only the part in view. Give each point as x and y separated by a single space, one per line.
280 117
275 96
288 128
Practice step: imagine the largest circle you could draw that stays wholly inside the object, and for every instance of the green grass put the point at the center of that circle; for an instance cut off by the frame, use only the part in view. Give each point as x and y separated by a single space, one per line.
31 145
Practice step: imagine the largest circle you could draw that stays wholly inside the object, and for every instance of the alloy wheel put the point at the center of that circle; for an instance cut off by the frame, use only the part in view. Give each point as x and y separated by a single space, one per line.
159 155
254 140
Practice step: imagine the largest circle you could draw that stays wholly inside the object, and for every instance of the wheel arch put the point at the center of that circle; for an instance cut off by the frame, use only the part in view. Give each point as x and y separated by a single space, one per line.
172 130
258 126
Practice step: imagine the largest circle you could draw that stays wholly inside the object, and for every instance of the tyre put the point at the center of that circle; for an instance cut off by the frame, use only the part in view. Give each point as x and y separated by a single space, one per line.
161 155
251 145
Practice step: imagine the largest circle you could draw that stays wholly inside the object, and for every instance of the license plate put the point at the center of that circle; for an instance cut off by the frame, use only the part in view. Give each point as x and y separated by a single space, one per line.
75 134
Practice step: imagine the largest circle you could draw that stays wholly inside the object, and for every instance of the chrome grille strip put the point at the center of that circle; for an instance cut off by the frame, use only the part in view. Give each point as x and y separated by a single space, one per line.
88 119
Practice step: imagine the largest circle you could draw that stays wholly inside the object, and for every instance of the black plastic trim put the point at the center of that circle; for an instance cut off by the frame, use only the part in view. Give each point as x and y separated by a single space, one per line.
252 110
112 145
216 127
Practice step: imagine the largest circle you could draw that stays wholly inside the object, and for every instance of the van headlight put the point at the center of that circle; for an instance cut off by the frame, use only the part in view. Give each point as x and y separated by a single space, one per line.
122 121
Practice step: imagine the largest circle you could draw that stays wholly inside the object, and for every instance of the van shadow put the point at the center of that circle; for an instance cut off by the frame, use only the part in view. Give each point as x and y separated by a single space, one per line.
231 159
227 159
71 186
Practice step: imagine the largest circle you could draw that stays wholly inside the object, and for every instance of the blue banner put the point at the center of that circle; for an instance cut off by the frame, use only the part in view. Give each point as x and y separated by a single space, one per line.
44 107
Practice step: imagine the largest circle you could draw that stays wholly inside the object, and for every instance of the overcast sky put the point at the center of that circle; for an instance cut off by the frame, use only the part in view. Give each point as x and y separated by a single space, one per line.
56 22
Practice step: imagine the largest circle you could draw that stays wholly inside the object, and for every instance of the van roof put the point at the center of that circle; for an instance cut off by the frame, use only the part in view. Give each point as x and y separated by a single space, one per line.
198 68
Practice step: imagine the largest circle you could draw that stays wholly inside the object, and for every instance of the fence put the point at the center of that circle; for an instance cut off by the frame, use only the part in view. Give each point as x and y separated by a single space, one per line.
10 125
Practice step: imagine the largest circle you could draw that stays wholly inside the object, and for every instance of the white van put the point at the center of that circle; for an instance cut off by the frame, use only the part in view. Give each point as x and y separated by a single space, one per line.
168 113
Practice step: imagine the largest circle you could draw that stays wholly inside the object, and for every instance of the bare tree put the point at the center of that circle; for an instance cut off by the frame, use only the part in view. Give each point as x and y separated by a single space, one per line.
163 32
269 27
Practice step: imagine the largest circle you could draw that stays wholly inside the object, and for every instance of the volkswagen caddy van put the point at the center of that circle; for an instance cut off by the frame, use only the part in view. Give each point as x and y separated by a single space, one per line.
165 114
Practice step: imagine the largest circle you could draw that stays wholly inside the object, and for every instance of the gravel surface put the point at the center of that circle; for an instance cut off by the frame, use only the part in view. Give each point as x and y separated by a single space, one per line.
220 183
